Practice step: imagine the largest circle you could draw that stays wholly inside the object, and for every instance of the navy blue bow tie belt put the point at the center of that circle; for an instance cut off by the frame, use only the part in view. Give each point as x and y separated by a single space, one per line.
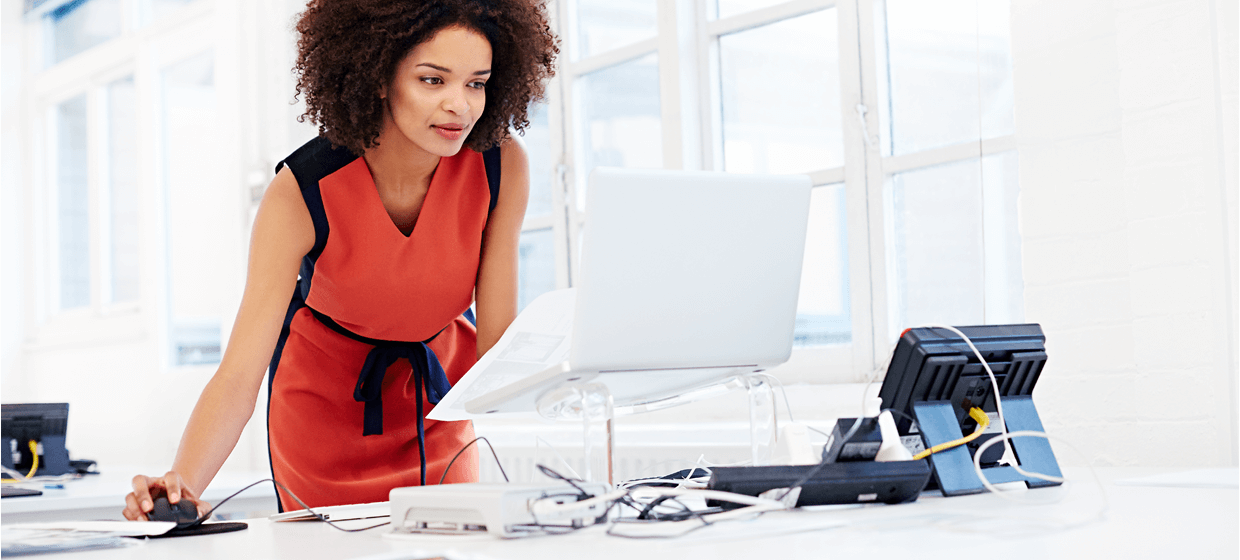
429 380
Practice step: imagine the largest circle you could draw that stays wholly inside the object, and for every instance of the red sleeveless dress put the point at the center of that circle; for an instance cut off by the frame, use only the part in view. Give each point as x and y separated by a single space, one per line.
376 332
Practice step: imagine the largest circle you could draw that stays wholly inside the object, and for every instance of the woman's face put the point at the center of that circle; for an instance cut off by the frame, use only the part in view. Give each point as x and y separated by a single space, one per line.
437 92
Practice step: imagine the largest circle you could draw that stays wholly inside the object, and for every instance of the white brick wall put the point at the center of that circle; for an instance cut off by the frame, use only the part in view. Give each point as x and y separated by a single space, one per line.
1126 125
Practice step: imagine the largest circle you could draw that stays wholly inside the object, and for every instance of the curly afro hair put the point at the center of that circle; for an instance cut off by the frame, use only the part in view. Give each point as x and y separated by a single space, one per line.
349 50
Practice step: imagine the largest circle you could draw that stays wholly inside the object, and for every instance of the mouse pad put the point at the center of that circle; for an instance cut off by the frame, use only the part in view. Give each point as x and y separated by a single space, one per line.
204 529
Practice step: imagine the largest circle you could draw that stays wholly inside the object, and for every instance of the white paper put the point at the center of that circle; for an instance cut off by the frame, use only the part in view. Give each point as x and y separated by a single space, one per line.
536 340
18 540
118 528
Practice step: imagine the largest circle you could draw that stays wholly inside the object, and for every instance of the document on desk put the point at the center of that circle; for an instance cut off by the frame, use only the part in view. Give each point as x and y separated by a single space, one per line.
536 340
63 536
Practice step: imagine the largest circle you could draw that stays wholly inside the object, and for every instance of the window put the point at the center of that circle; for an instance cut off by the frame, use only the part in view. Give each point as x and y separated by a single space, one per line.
72 203
950 173
121 230
190 148
904 125
81 24
96 198
130 152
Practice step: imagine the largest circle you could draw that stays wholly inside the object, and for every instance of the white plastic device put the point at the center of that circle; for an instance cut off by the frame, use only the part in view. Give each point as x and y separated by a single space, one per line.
503 510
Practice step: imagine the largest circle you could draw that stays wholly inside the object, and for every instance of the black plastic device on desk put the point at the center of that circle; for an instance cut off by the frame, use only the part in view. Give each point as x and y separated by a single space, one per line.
42 423
834 483
936 378
184 513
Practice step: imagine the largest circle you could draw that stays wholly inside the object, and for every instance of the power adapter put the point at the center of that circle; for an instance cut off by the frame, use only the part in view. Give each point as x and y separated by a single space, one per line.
862 446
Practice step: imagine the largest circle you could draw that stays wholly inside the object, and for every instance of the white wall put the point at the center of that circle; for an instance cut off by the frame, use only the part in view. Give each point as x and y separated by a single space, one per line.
1126 124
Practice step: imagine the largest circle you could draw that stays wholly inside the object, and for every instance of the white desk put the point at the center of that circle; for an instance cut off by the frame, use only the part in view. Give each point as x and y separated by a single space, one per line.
1142 522
102 497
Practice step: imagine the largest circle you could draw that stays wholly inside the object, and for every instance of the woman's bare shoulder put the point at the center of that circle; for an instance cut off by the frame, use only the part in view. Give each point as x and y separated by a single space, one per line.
282 215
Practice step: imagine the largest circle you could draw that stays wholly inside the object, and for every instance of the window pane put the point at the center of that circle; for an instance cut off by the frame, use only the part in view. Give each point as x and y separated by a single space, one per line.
1005 284
155 10
823 306
619 119
728 8
72 204
82 24
537 266
193 198
538 148
607 24
781 96
122 199
943 57
955 247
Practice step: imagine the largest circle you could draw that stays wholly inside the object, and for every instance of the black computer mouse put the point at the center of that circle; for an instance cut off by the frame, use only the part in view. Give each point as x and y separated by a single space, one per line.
184 513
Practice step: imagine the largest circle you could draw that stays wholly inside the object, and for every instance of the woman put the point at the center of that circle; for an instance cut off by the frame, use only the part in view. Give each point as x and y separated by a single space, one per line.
370 245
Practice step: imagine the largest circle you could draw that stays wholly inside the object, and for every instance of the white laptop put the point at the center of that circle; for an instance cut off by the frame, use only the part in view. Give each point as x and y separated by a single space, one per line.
687 279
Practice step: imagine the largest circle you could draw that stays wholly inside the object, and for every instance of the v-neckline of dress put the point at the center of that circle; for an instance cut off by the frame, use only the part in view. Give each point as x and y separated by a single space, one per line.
377 201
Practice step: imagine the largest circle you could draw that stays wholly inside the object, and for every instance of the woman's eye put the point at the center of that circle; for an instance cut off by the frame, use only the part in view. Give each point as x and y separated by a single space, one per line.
478 85
432 80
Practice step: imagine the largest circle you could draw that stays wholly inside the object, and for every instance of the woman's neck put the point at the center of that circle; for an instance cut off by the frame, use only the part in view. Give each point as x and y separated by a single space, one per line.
399 166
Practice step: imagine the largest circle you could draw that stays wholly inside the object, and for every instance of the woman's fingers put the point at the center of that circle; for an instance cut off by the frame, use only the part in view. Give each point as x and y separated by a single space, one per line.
142 492
172 483
131 511
146 488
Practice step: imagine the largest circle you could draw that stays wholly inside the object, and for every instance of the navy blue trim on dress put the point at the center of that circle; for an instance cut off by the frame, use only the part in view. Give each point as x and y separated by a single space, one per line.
295 304
310 163
490 161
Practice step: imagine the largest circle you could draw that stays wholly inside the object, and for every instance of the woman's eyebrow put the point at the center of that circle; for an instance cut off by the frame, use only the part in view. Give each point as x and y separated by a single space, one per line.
448 71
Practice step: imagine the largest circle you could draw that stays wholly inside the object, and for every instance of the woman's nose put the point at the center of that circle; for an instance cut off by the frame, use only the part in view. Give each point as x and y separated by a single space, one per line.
456 103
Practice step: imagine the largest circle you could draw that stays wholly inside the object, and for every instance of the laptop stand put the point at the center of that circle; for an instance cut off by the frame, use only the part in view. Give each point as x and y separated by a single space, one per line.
592 405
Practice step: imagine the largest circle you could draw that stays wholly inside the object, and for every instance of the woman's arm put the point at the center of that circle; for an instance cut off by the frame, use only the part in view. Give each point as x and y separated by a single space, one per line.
496 290
283 233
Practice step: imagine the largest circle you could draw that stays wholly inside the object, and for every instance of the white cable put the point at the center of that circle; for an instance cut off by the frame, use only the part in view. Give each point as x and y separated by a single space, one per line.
788 405
705 463
20 478
547 507
674 529
782 389
743 512
977 456
977 466
655 493
571 471
13 473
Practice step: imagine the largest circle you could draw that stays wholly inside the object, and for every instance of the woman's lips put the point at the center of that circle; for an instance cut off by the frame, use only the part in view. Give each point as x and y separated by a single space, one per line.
451 132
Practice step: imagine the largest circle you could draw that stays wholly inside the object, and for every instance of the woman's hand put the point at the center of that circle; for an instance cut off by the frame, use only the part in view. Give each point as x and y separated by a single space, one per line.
147 488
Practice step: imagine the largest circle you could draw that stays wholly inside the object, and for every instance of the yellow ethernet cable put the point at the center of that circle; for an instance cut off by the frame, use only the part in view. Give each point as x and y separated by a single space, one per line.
982 422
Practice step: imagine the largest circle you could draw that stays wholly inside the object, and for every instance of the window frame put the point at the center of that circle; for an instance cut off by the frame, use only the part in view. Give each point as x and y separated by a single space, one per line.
687 46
